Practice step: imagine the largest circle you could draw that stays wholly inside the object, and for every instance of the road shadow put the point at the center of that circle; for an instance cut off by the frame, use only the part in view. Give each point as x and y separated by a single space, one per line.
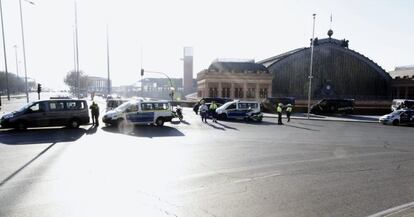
215 127
226 126
263 122
37 136
92 130
145 131
4 181
307 124
185 122
303 128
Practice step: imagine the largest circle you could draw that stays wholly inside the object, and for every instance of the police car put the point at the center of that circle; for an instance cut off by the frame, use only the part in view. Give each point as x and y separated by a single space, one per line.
241 110
402 116
140 112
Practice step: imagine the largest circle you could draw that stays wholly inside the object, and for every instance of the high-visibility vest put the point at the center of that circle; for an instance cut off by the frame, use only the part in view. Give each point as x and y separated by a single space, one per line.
213 106
289 109
279 109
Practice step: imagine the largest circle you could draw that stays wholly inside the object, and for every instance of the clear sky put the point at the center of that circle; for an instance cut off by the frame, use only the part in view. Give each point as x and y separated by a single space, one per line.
380 29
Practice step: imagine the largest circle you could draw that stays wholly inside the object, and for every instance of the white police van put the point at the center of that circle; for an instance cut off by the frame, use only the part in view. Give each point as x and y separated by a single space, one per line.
140 112
241 110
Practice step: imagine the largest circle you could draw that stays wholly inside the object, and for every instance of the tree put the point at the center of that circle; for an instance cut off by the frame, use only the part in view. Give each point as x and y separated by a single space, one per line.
16 84
71 81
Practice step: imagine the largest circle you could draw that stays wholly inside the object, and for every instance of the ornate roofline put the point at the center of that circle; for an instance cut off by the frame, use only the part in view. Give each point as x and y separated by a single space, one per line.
337 44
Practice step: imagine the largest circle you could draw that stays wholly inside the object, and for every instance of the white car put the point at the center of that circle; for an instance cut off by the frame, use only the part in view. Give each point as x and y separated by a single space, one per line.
242 110
140 112
402 116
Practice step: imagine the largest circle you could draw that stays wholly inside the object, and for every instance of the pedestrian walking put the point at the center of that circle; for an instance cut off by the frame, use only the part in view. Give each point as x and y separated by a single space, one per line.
213 113
95 113
279 113
203 109
288 111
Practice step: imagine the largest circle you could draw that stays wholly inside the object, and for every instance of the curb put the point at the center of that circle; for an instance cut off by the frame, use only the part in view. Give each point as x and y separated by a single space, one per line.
326 119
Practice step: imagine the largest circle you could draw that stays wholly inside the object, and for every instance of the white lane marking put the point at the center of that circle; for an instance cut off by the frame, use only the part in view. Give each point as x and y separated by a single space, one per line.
393 210
256 178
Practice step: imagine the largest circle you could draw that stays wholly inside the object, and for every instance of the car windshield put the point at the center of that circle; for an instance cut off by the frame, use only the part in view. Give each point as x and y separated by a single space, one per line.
123 106
397 112
225 105
25 107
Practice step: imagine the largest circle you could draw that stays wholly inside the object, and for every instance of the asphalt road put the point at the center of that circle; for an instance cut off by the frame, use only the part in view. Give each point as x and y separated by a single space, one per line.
304 168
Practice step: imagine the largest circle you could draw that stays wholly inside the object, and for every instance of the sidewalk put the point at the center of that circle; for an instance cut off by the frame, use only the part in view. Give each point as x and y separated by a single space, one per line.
346 118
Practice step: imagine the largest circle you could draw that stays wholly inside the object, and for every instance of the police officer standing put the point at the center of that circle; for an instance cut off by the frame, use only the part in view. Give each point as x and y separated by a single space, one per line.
213 108
288 111
279 113
95 113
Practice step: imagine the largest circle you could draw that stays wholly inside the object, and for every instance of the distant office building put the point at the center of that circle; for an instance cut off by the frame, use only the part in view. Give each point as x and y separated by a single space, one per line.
245 80
403 82
97 84
188 71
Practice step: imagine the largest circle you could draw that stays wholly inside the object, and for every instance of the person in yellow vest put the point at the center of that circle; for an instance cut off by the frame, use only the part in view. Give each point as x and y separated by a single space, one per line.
288 111
213 113
279 113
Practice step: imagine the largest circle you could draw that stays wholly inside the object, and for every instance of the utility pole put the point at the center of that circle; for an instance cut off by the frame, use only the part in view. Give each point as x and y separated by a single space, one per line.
77 90
310 67
107 60
17 61
24 49
4 53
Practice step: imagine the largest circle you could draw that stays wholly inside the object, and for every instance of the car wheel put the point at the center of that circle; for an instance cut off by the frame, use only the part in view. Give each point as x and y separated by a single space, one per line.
395 122
159 122
74 124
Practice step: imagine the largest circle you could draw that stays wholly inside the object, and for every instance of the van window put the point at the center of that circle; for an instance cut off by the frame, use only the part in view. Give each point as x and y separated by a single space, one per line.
252 105
56 106
75 105
232 106
146 106
243 106
160 106
132 108
37 107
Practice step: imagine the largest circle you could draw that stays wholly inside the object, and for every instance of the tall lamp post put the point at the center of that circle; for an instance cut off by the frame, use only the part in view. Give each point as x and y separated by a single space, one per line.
17 61
310 67
24 48
4 53
107 60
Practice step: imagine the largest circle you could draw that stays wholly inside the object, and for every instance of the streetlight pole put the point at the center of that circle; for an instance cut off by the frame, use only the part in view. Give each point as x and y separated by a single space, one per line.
24 50
310 67
77 52
17 61
4 53
107 59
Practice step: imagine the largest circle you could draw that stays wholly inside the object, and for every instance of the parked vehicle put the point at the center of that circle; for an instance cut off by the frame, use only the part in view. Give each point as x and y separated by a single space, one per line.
402 103
45 113
242 110
270 104
140 112
219 102
397 117
333 106
113 103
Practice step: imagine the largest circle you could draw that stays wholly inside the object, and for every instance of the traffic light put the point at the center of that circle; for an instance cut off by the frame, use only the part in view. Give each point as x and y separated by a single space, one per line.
39 88
142 72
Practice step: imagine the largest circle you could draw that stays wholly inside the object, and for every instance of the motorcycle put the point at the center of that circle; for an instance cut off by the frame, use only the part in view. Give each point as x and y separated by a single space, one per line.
178 113
254 116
